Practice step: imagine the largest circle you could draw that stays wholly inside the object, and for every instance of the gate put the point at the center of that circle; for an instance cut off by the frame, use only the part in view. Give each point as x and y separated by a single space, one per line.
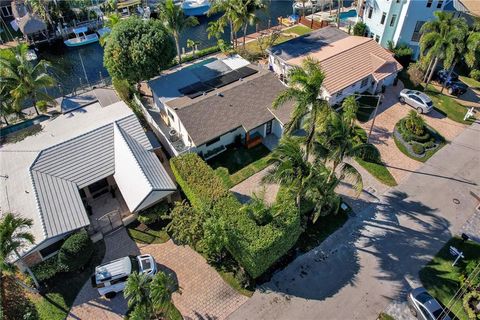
109 222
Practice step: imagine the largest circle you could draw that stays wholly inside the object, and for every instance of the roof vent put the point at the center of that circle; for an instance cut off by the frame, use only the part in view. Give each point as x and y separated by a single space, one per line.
219 94
204 93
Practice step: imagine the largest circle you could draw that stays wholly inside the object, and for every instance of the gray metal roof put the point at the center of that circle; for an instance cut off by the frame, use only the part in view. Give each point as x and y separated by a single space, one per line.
61 170
307 43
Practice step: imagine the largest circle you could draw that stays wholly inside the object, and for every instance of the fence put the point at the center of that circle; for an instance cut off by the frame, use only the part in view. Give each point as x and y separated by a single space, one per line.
313 24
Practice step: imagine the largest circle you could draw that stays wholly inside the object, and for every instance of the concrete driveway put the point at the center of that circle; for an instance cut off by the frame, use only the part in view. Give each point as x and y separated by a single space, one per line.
375 258
204 294
389 113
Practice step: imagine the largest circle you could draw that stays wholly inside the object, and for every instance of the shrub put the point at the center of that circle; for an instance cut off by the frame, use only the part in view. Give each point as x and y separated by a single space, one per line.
75 251
403 53
418 148
475 74
360 29
408 135
46 269
255 247
415 123
416 74
186 227
470 300
429 144
123 88
153 214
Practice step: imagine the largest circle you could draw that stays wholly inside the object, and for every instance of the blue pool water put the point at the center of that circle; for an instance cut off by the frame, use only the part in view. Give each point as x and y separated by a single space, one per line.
349 14
22 125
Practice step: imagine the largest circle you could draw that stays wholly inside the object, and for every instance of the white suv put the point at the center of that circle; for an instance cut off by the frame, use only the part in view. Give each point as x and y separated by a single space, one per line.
416 99
110 277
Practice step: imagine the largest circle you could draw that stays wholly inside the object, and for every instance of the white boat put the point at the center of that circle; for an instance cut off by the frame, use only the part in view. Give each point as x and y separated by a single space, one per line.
31 55
81 38
298 6
195 7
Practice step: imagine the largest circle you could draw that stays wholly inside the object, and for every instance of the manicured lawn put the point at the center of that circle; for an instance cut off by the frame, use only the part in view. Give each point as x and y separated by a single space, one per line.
366 105
442 280
448 106
230 279
147 234
472 83
298 29
63 288
379 171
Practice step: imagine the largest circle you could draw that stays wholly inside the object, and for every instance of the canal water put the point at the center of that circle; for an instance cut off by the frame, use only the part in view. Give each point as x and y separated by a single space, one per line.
72 74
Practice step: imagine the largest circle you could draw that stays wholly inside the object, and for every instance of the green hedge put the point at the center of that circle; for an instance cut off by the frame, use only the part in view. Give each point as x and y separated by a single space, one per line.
255 247
46 269
75 251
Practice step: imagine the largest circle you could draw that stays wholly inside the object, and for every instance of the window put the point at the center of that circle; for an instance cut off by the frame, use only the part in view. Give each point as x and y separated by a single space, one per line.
384 16
6 12
429 3
209 143
439 4
171 115
377 38
398 1
416 32
370 12
364 82
392 20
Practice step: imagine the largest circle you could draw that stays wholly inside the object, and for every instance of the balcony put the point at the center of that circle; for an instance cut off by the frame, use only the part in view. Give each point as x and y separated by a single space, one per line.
170 139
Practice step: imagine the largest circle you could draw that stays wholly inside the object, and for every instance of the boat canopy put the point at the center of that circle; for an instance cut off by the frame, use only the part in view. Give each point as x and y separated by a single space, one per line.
80 30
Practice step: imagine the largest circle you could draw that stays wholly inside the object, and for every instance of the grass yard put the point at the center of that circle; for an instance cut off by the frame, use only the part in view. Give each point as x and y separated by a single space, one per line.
299 29
366 105
58 298
229 278
442 280
379 171
472 83
141 233
448 106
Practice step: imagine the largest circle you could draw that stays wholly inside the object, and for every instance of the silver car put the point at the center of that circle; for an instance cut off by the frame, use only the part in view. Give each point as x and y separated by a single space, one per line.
416 99
425 307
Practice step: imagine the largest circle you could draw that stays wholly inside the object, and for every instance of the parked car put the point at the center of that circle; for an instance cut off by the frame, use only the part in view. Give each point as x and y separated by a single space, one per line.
425 307
452 84
110 277
417 100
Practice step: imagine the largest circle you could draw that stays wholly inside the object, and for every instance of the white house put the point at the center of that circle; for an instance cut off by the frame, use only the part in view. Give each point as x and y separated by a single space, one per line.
351 64
399 21
213 103
91 167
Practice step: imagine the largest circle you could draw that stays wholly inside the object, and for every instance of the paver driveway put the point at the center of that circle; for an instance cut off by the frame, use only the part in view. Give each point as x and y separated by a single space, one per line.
204 294
390 112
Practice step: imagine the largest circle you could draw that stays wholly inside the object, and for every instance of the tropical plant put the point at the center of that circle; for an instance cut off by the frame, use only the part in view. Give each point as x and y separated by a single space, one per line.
41 8
415 123
13 238
149 298
475 74
472 47
214 239
175 21
27 82
442 39
340 140
138 50
112 20
6 103
360 29
192 44
304 89
186 226
75 252
247 15
231 16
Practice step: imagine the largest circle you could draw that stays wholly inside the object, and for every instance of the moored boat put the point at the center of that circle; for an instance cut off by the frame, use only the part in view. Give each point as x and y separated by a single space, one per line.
195 7
81 38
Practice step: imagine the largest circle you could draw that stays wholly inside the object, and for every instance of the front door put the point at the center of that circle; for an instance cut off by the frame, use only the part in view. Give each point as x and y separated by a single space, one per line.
269 127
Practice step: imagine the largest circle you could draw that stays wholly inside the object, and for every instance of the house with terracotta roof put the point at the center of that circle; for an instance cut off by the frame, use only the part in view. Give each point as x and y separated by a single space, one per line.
351 64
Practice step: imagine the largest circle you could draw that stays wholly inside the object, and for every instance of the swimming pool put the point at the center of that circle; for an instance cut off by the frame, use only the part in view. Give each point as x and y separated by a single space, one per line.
22 125
349 14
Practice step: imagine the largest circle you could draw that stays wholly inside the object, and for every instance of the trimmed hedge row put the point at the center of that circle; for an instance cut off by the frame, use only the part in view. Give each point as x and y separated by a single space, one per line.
255 247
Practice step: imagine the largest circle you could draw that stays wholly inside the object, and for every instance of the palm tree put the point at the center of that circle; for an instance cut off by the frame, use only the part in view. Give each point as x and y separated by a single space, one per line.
161 289
440 38
137 290
175 21
192 44
304 87
231 15
112 20
40 7
13 238
28 82
247 16
340 140
472 50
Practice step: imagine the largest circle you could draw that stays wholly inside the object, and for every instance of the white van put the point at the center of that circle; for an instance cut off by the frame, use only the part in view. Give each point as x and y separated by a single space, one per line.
110 277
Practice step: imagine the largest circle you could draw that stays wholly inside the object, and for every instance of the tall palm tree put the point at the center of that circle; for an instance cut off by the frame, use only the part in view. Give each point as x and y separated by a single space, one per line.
40 7
439 39
137 290
161 289
340 140
28 82
247 14
14 237
112 20
472 50
175 21
231 16
303 91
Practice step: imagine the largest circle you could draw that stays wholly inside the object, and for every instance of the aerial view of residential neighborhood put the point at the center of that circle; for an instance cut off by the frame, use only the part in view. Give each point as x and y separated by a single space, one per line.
240 159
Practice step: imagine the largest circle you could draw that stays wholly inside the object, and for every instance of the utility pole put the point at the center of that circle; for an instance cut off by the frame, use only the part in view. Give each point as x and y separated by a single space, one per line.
379 97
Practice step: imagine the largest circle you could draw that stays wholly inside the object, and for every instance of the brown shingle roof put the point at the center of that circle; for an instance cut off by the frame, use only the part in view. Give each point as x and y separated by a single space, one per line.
243 105
350 60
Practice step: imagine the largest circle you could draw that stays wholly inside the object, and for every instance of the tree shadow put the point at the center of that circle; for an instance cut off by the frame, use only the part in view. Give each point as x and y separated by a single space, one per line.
400 234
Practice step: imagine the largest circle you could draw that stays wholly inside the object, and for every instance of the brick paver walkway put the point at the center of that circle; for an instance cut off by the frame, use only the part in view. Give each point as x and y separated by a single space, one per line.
253 185
390 112
204 294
